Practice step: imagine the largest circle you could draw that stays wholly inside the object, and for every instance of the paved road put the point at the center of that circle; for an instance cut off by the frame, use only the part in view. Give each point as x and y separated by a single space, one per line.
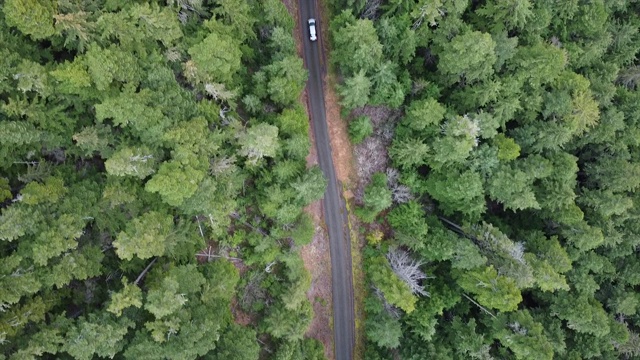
333 204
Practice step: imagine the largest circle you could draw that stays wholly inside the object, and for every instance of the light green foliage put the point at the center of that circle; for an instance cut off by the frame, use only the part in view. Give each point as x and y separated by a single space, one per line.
299 281
549 262
129 295
282 42
507 148
95 139
221 279
108 65
398 40
259 141
32 76
237 14
79 264
470 55
583 236
176 181
17 221
465 254
539 64
424 115
305 349
582 314
605 202
216 59
507 256
408 153
287 79
311 186
145 236
135 111
386 88
5 190
303 230
15 281
460 137
409 223
139 162
614 173
293 121
384 330
61 234
429 310
288 324
31 17
156 23
377 197
71 77
469 343
49 192
19 134
513 188
455 191
359 129
297 147
236 343
355 91
512 14
520 333
191 137
124 140
357 47
76 28
490 289
172 292
101 336
276 14
140 28
396 292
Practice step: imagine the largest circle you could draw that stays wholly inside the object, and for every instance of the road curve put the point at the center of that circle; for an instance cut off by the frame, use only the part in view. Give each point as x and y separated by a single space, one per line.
335 213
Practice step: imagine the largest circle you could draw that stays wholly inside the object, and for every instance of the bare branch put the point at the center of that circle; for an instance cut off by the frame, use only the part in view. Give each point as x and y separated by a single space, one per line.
267 269
209 254
371 10
144 272
390 309
478 305
408 270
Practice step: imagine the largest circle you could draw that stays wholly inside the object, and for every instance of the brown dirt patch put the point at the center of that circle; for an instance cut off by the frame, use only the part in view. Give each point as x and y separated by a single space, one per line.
240 317
341 149
317 261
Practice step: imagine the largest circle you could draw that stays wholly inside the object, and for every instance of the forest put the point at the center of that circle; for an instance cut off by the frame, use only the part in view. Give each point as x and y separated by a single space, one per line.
500 212
152 181
153 177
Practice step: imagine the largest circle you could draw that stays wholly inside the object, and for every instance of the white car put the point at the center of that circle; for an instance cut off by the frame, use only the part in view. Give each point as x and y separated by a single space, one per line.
312 30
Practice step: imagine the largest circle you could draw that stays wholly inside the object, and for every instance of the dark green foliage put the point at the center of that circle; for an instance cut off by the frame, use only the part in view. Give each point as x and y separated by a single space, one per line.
237 343
131 176
518 140
359 129
377 197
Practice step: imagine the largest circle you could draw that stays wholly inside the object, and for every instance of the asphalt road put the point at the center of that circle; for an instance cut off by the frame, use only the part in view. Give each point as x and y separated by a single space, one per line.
335 213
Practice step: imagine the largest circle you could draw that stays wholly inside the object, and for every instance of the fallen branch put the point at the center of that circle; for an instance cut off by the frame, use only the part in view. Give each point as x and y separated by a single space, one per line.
478 305
144 272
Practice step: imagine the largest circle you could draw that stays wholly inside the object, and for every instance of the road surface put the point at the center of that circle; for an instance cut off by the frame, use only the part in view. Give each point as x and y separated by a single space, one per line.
335 213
